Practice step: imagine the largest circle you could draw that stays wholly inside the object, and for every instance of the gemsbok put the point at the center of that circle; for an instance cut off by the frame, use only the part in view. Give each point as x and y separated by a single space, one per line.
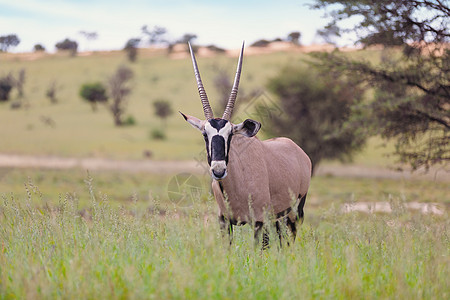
251 179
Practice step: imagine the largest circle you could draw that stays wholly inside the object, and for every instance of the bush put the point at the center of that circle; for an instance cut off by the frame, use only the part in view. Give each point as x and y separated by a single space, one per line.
39 48
158 134
6 85
93 93
67 44
129 121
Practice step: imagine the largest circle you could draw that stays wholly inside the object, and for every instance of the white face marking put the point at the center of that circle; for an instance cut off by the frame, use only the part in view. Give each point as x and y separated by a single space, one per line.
223 132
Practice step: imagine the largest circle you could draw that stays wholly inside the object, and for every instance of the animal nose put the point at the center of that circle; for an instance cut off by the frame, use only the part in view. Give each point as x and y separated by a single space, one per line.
219 174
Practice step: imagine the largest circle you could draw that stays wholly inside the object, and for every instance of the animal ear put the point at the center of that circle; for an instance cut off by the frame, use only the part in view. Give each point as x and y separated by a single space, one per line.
196 123
248 128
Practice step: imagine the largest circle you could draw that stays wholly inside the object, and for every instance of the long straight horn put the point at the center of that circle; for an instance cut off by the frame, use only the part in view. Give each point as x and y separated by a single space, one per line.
230 105
201 90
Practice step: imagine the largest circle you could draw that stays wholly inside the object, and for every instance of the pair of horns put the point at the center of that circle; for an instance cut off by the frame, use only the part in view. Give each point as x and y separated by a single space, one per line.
201 90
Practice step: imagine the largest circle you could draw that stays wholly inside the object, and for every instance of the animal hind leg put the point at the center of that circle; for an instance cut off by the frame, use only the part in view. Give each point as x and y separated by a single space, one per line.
261 230
300 213
292 227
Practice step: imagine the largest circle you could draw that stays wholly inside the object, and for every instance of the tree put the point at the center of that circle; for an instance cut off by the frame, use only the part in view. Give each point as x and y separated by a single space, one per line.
223 82
411 103
163 109
8 41
187 38
294 37
89 36
131 48
316 107
71 46
39 48
51 92
156 35
94 93
119 92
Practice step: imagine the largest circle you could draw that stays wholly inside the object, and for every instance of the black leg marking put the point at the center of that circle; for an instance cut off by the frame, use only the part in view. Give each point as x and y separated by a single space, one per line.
293 228
259 226
226 228
301 214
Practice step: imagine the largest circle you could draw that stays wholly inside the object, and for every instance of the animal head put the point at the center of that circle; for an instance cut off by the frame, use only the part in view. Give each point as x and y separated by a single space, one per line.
218 132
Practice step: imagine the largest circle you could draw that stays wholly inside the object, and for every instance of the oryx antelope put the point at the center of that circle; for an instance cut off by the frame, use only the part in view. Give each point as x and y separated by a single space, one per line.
251 177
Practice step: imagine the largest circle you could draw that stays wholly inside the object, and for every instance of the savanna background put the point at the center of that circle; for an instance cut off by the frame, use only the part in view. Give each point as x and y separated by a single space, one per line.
105 188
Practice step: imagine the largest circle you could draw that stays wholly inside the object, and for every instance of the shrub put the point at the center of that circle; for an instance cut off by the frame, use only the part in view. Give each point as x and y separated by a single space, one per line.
158 134
69 45
93 93
6 85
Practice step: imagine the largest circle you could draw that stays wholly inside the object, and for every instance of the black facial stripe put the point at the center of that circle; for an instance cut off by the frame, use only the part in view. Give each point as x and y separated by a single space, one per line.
228 147
207 148
218 123
218 148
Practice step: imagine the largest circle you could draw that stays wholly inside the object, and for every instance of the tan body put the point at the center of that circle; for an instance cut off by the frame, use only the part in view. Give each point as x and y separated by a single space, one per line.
272 173
251 178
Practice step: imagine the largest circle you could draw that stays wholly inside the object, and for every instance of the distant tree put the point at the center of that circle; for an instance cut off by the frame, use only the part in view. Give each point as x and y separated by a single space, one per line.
89 36
39 48
216 49
411 84
154 36
51 92
329 34
294 37
187 38
20 82
119 92
316 107
260 43
94 93
163 109
6 85
71 46
131 48
8 41
223 82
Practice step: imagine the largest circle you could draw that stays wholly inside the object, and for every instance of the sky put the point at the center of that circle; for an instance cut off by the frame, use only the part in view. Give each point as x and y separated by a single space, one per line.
222 23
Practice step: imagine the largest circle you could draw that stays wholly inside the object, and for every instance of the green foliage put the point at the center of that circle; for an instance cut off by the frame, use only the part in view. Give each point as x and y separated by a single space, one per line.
39 48
163 108
129 121
93 93
315 109
67 44
158 134
411 98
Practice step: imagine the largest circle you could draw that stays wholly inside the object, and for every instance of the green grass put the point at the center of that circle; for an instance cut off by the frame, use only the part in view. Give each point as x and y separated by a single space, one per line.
79 132
118 235
109 239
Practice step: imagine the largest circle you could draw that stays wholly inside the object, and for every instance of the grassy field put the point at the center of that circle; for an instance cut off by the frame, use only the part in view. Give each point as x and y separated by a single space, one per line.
121 235
67 234
79 132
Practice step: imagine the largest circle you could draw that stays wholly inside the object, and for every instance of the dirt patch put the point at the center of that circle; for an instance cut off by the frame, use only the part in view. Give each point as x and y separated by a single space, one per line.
198 168
386 207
